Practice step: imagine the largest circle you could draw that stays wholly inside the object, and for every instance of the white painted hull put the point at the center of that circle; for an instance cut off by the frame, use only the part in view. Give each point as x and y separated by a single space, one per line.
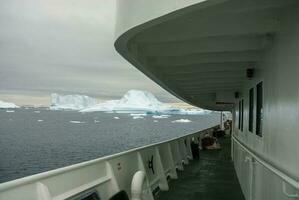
107 175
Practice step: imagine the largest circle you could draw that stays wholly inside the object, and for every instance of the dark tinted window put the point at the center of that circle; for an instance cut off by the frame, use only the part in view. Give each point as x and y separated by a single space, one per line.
239 122
259 109
251 103
242 114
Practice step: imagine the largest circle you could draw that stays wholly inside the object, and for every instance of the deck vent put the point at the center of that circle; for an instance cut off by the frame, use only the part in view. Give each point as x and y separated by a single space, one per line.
249 73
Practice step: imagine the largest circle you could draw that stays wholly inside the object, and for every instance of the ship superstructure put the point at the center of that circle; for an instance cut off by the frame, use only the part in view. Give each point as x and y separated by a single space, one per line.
224 55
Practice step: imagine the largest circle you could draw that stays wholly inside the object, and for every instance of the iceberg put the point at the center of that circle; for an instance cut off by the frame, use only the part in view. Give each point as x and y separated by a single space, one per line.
143 102
134 101
4 104
71 102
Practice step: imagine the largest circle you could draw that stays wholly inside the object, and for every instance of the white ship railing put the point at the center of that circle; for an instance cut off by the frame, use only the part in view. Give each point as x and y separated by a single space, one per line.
108 175
286 179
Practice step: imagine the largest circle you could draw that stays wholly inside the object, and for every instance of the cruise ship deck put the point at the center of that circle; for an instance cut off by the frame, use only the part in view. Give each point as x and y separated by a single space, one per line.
212 177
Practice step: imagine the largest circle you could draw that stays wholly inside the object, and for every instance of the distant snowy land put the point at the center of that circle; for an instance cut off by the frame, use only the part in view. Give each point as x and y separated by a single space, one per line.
134 101
4 105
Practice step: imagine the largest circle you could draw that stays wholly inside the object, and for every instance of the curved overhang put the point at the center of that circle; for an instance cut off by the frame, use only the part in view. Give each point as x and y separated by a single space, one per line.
200 51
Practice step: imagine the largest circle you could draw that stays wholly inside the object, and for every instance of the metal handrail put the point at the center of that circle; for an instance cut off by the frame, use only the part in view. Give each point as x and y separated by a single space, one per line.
36 177
286 178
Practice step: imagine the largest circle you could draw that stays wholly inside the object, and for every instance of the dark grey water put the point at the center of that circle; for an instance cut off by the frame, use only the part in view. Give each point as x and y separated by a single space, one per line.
32 142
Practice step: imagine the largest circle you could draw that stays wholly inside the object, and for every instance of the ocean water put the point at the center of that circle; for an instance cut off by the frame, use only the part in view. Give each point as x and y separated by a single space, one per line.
34 141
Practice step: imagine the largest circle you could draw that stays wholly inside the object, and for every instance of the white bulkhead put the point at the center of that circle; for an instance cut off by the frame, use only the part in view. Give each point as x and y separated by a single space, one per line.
213 54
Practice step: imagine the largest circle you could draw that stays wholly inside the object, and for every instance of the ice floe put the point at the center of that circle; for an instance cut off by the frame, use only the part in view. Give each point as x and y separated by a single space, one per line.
116 117
138 117
10 111
138 114
160 116
40 120
182 121
77 122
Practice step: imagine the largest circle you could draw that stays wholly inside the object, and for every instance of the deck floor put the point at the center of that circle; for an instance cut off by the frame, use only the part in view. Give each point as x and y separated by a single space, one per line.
212 177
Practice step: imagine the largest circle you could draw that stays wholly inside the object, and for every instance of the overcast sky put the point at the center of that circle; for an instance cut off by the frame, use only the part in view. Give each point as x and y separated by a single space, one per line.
63 46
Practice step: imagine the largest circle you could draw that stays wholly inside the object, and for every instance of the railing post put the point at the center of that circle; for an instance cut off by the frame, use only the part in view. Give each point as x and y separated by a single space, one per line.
183 151
142 168
114 187
42 191
188 147
173 173
163 184
178 156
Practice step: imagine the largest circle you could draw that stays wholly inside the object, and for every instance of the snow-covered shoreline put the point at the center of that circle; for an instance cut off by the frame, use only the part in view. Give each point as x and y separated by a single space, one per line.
5 105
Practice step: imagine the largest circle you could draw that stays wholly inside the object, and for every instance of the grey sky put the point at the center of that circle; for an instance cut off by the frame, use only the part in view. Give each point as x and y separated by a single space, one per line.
63 46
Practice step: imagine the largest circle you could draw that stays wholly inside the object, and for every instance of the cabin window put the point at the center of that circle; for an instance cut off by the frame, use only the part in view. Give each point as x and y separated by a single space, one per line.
239 121
251 103
259 109
242 114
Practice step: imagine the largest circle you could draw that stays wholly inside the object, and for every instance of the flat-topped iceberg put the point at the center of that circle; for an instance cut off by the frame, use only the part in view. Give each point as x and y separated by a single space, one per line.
137 101
71 102
4 104
134 101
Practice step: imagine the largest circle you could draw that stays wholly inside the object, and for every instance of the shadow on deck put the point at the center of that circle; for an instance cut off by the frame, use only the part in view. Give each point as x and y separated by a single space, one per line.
212 177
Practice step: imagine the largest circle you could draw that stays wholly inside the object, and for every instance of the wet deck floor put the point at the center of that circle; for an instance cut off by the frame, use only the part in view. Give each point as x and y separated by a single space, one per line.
212 177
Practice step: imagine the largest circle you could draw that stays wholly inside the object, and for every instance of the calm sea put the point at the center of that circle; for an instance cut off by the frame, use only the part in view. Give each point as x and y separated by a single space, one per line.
34 141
